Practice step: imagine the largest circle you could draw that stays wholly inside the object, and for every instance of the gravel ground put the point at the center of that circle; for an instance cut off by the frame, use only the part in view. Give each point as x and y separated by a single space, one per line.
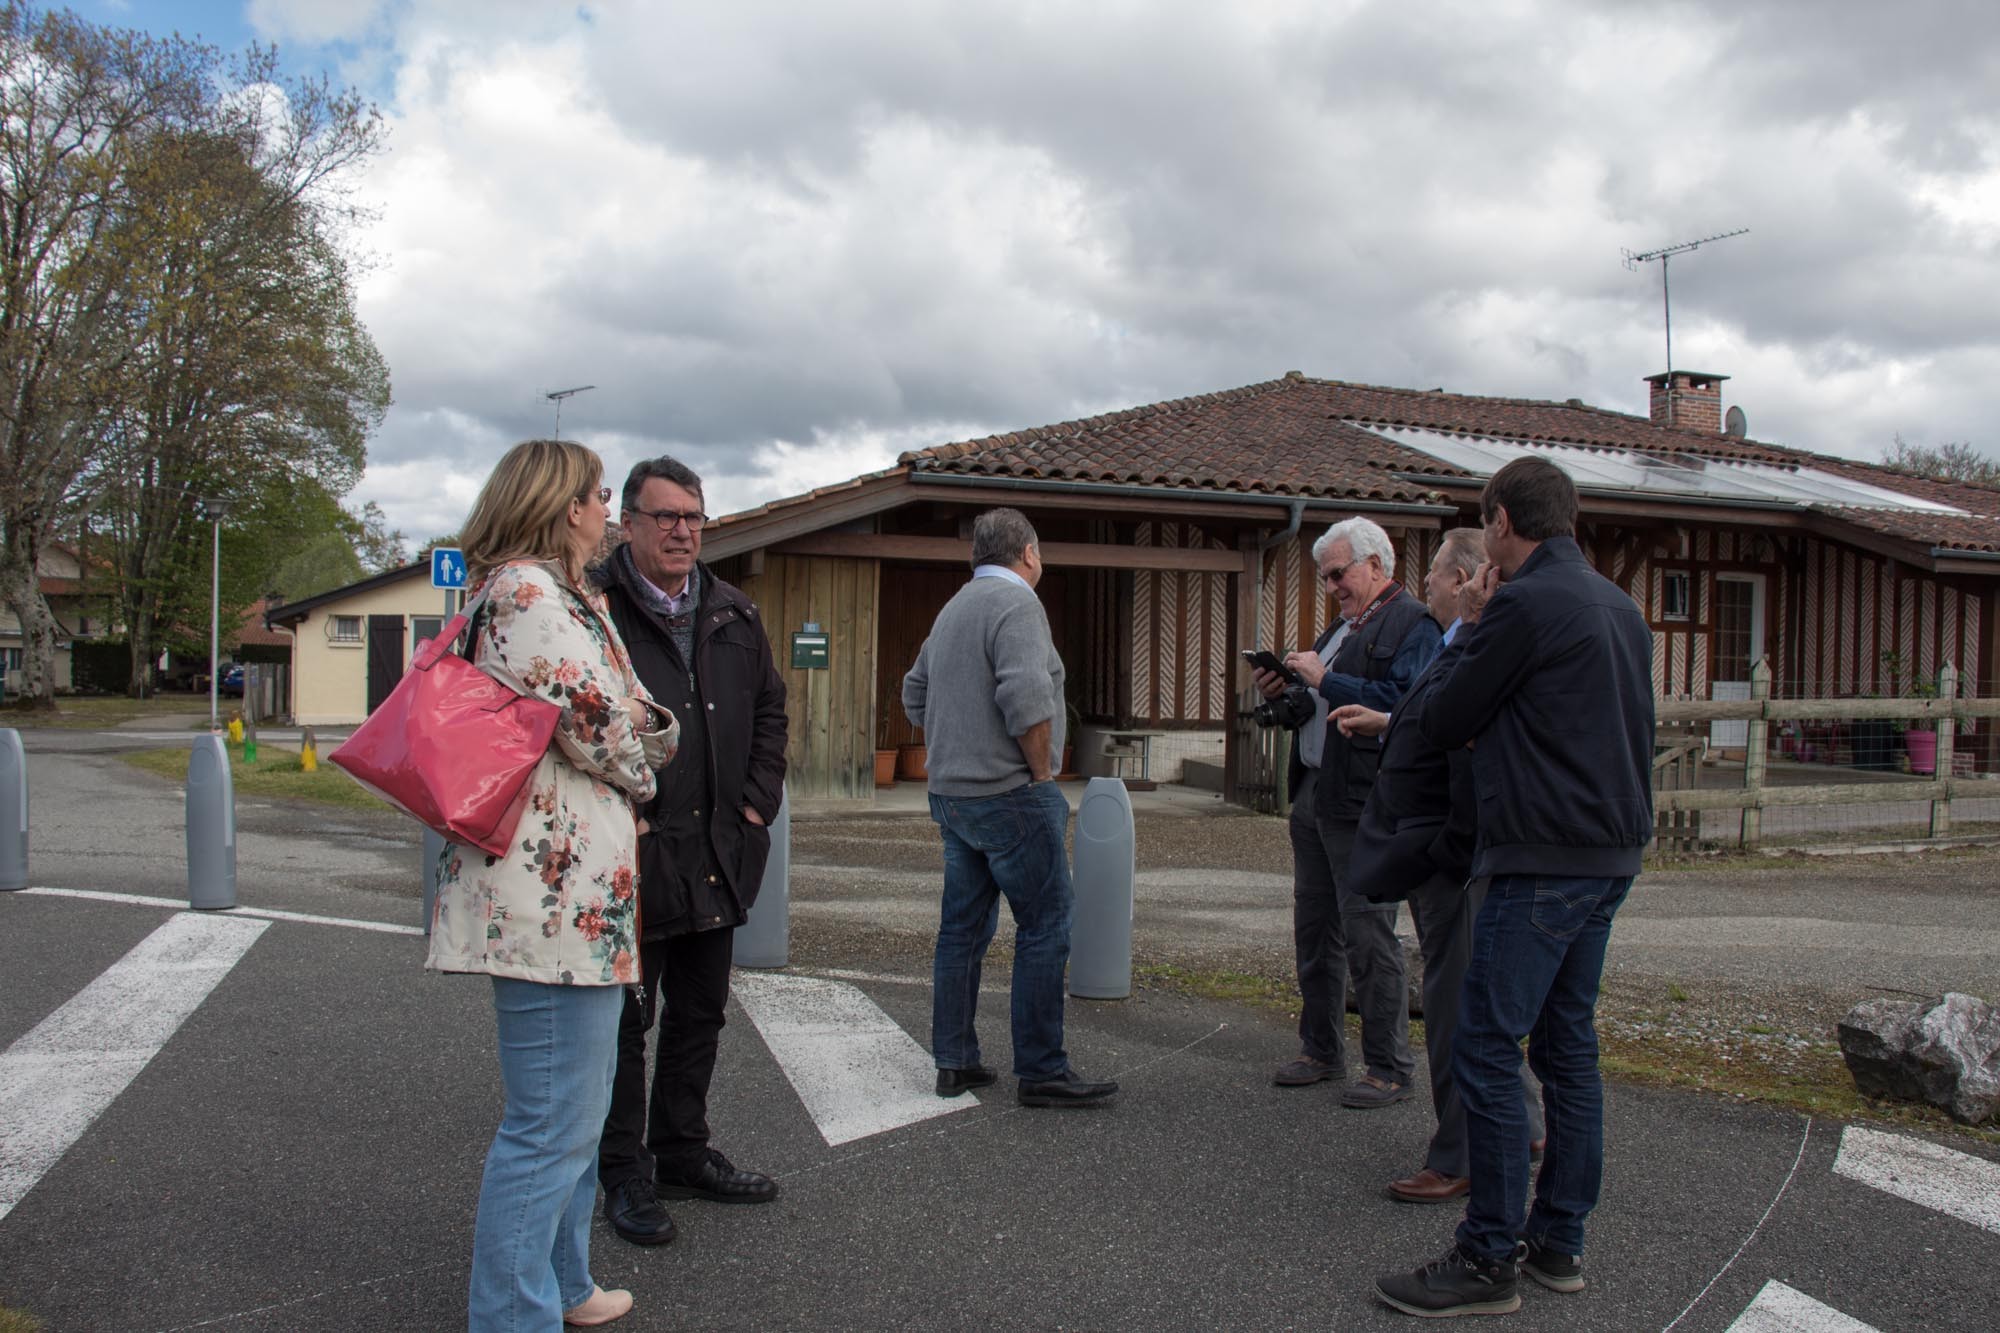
1754 959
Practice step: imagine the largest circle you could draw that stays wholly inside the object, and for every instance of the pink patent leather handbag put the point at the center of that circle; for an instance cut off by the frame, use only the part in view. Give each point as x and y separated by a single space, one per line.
452 747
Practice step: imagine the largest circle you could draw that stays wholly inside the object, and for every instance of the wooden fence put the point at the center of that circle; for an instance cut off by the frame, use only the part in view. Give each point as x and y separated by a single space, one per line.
1678 801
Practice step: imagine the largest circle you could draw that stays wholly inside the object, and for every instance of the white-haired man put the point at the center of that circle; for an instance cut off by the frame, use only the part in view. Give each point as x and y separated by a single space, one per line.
1380 641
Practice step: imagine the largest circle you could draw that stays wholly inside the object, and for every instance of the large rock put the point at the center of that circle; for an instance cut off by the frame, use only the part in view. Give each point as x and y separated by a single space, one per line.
1946 1054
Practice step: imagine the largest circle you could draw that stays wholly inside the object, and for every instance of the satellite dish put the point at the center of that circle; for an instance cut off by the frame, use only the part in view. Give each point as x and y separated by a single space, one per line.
1735 423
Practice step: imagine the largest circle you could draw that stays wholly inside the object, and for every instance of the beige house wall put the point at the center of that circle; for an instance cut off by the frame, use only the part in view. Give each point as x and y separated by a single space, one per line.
329 676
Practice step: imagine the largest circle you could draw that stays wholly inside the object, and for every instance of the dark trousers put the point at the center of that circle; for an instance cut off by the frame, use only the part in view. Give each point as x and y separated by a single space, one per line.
1336 931
1444 909
1537 958
689 975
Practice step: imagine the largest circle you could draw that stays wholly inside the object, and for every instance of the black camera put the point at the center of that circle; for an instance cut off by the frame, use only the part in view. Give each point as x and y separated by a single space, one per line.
1293 708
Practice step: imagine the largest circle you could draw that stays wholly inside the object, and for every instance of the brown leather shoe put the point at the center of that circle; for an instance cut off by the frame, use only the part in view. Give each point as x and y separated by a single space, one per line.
1428 1186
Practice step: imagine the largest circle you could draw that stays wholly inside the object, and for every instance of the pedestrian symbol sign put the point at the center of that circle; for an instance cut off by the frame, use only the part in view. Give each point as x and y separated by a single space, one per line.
447 567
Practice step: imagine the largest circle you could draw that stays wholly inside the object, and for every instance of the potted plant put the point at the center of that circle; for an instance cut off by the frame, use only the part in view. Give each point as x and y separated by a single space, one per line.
912 763
885 767
1919 738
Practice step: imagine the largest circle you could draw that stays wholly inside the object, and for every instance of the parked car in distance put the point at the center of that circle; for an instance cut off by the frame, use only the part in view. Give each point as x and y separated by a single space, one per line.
232 680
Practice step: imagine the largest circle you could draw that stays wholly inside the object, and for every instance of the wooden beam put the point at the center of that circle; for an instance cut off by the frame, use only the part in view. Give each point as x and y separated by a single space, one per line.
737 535
1085 555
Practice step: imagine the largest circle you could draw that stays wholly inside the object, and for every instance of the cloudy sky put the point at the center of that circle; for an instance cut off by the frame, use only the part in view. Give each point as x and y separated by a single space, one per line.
788 240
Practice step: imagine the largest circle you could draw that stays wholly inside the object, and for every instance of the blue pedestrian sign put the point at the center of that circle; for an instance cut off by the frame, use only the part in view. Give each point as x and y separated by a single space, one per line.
447 567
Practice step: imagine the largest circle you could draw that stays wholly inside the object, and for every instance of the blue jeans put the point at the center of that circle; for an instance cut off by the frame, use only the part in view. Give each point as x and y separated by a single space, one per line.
1537 957
531 1241
1011 845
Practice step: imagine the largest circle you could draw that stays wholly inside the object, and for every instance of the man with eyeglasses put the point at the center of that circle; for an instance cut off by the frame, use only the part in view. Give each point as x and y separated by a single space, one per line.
700 647
1376 646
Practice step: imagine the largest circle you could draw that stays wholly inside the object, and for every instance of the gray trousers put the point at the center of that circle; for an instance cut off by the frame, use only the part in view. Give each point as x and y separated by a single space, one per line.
1334 932
1444 910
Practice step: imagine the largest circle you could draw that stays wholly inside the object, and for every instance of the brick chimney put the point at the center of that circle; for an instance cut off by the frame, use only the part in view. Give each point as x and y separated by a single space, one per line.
1689 399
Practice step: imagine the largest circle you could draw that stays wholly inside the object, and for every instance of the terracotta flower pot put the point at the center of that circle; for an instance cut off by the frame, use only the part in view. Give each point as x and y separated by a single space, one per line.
885 768
912 763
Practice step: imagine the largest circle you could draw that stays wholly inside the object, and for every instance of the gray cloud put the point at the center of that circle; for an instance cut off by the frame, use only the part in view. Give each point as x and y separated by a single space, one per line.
786 240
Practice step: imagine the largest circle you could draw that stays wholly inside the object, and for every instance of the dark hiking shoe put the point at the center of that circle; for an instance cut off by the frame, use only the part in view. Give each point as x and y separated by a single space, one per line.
1456 1283
1554 1270
1368 1092
1305 1071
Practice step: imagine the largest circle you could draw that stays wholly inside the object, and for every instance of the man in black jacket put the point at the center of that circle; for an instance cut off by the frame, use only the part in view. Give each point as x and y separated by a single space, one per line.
1415 841
1369 655
1553 689
701 650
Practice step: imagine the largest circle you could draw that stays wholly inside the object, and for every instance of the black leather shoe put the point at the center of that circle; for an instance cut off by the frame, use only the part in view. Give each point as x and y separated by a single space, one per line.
1069 1090
633 1210
719 1182
951 1082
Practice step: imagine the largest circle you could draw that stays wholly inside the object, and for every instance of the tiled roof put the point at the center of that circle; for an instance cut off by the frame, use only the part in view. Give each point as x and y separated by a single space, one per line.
1300 436
1958 532
1304 436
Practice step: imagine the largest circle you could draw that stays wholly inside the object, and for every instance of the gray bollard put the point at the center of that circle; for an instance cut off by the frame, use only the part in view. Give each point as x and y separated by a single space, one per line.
433 854
1100 935
211 827
765 940
13 798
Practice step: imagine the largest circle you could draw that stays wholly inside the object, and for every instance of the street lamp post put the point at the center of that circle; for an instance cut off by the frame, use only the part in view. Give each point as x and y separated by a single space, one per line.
215 508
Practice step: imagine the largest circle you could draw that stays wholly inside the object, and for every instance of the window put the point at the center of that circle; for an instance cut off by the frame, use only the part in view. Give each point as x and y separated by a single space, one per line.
10 658
344 629
424 627
1674 585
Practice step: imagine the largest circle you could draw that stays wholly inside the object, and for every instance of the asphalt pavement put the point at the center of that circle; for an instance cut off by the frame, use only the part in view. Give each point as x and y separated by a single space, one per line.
303 1151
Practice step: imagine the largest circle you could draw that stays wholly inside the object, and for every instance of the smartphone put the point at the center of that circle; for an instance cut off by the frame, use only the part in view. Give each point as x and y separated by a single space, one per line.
1264 659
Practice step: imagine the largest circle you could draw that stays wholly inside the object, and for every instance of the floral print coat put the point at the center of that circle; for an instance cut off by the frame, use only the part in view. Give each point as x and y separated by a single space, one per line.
562 907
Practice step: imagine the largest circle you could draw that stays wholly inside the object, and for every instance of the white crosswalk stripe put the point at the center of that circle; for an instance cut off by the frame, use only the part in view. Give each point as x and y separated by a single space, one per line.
1780 1309
857 1072
1954 1183
64 1071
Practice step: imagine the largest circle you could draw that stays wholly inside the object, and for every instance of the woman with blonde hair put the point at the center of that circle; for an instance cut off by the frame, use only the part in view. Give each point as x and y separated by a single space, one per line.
554 922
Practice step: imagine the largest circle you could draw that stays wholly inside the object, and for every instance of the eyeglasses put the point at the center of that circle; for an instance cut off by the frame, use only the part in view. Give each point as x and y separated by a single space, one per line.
603 495
666 520
1337 573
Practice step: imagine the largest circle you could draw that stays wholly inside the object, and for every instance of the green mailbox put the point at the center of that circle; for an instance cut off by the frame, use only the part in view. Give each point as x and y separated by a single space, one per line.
809 648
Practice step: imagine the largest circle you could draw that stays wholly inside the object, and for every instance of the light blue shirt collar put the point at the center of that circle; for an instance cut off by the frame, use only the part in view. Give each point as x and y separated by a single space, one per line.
1452 630
1000 572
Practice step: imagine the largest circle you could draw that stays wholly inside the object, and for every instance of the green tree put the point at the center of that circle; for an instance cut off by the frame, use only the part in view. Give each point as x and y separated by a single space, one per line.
75 100
249 368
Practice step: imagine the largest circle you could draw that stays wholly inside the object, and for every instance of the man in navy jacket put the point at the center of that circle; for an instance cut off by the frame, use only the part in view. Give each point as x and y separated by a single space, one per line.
1415 841
1553 692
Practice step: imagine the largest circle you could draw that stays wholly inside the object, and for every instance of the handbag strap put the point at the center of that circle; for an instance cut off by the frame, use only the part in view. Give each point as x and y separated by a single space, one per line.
454 629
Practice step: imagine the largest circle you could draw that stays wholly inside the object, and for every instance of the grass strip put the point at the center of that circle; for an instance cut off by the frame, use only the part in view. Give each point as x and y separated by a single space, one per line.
276 774
1742 1069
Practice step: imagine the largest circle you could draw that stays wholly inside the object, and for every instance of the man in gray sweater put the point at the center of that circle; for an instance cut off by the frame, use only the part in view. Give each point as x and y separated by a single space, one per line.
987 690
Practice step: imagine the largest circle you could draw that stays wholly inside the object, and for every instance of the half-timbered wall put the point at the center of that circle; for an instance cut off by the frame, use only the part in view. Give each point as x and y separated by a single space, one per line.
1859 607
1181 654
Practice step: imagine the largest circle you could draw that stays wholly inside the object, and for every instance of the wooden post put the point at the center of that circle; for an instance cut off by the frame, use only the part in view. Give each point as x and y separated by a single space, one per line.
1947 730
1753 754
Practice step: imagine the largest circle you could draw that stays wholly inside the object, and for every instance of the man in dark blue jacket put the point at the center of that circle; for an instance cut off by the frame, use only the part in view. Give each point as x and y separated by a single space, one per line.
1415 841
1553 690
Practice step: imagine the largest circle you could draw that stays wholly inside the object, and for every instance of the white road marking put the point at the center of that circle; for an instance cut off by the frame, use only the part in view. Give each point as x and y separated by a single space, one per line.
1780 1309
1955 1183
63 1072
267 913
856 1071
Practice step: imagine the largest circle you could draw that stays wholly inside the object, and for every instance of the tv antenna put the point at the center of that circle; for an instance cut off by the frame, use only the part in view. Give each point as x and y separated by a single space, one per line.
557 398
1664 254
